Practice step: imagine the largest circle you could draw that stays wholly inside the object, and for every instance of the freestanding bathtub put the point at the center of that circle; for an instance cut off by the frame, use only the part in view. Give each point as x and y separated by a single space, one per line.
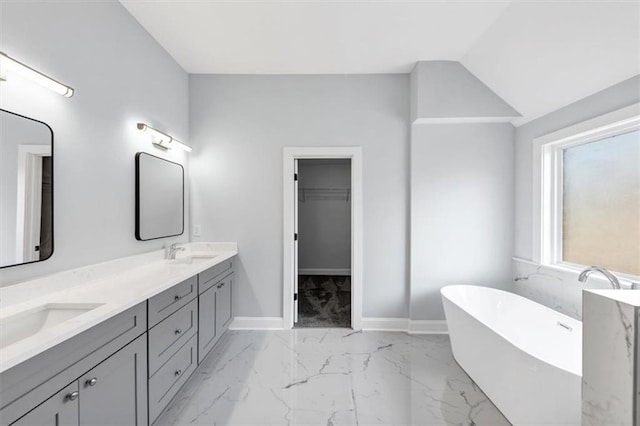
524 356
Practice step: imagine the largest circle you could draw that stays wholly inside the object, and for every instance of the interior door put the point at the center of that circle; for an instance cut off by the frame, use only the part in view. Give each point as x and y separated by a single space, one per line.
295 242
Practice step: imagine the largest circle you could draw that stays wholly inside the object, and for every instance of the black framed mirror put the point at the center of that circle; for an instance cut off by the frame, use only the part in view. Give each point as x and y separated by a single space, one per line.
159 197
26 190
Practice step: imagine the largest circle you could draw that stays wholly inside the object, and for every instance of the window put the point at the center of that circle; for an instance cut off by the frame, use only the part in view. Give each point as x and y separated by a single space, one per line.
590 196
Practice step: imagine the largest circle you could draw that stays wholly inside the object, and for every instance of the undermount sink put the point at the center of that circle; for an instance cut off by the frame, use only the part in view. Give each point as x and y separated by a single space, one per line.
33 321
192 260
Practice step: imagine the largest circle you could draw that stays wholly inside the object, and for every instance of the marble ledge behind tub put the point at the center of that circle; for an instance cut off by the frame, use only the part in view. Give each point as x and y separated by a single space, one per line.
114 286
556 288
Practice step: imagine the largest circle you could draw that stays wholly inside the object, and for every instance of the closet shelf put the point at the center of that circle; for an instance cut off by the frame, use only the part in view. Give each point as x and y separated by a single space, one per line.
310 194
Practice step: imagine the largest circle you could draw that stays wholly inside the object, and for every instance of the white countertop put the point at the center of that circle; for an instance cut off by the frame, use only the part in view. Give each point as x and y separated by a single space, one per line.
630 297
118 285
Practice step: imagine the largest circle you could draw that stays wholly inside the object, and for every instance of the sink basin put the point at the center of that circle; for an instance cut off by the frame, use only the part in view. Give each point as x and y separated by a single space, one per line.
192 260
33 321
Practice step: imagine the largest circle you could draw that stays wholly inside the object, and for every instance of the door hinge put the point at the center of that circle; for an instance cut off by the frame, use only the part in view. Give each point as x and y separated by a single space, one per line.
295 297
295 176
295 237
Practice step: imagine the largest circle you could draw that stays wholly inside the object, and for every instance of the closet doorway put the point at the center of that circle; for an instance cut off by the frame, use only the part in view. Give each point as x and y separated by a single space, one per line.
322 237
324 243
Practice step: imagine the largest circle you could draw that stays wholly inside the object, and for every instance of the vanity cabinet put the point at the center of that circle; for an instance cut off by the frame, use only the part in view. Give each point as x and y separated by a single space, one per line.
35 388
126 369
215 306
224 305
114 392
173 351
168 380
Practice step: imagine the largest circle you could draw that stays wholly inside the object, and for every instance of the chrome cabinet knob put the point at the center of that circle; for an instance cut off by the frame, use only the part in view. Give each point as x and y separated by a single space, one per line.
72 396
178 372
178 331
177 297
92 382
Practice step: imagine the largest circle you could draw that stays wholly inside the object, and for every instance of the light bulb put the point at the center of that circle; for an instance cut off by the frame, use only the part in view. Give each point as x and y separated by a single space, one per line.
11 65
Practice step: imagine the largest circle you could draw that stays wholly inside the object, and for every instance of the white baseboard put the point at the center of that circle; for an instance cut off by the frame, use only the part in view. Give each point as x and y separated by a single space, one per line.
257 323
385 324
404 324
368 324
325 271
428 327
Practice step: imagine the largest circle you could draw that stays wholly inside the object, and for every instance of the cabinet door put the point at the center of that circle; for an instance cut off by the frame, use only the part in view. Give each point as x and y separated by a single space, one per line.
115 391
224 305
59 410
207 331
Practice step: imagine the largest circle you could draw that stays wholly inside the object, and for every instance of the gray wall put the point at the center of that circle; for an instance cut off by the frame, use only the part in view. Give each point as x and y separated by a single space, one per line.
121 76
446 89
461 185
240 124
461 210
324 218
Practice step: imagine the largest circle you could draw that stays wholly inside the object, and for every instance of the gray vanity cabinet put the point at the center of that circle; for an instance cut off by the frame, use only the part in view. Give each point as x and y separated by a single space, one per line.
115 392
207 336
172 344
59 410
215 306
37 389
127 369
224 304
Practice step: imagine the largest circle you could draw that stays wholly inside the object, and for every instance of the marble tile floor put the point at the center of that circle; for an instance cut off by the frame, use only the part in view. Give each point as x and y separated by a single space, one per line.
324 301
330 377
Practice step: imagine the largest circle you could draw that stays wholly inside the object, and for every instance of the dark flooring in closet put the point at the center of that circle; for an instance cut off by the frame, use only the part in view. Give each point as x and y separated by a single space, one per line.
324 301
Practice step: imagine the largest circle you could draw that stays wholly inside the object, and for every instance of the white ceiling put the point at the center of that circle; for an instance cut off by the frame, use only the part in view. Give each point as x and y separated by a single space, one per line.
542 56
538 55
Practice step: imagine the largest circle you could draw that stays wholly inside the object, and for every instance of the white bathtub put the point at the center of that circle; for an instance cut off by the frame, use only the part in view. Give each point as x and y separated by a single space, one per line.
524 356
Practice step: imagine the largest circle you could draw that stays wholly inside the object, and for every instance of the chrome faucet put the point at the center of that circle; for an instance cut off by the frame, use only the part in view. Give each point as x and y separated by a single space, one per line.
173 249
612 278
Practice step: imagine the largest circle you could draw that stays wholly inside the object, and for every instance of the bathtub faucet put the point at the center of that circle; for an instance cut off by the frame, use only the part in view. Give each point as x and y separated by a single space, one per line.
612 278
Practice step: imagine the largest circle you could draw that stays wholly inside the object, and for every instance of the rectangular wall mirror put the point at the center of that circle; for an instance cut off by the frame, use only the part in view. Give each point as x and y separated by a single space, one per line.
26 190
159 197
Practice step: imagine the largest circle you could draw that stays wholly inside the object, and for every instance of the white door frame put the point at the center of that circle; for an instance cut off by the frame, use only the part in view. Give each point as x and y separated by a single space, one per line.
354 153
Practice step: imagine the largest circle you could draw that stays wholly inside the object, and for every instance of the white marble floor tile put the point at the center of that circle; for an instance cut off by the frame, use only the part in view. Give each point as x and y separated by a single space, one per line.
330 377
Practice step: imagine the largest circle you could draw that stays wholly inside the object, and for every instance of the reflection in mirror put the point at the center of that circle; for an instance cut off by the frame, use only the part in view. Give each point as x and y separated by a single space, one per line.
159 197
26 190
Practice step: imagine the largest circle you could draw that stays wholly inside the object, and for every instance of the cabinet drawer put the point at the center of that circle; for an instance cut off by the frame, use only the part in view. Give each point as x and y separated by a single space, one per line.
167 337
169 301
211 276
166 382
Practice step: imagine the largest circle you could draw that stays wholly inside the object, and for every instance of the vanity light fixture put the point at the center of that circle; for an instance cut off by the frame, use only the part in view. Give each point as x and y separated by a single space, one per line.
10 65
163 140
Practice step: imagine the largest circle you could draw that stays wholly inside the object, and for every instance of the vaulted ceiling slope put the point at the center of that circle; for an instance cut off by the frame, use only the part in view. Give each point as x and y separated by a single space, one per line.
538 55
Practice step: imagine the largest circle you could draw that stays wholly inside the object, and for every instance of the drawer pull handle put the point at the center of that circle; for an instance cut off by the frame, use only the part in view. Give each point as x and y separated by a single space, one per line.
178 331
177 297
92 382
72 396
178 372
